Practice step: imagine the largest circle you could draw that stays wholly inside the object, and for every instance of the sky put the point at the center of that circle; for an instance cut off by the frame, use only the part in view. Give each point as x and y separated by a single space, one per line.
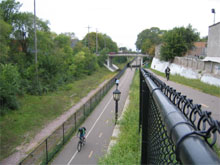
123 20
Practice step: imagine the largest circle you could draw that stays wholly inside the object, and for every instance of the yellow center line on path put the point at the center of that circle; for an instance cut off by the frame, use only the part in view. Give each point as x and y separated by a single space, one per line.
100 135
106 122
90 154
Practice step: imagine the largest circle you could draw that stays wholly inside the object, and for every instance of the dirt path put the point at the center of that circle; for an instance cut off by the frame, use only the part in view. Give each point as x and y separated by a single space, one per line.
22 150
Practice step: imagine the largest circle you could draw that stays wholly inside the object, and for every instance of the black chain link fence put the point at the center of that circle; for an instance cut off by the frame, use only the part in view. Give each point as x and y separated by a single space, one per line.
174 130
45 151
161 148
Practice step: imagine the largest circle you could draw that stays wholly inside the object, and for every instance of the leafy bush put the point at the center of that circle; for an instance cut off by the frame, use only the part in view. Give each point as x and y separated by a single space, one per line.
9 87
177 42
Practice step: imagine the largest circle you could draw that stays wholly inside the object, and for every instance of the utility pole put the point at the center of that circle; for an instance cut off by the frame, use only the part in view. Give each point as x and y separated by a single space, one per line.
104 41
88 34
96 41
35 42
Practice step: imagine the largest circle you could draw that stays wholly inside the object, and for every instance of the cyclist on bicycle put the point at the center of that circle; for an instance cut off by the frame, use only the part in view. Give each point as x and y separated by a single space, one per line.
82 132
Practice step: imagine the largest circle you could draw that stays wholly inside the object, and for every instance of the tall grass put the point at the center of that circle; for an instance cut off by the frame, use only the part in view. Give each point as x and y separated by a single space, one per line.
194 83
20 126
127 148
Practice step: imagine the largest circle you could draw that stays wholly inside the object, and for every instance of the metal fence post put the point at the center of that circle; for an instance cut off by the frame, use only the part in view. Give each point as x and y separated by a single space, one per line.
46 153
75 120
84 111
63 133
140 102
145 107
90 104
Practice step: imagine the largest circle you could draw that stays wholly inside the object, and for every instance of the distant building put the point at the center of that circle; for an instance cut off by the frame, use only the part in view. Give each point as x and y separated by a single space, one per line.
213 54
214 41
199 49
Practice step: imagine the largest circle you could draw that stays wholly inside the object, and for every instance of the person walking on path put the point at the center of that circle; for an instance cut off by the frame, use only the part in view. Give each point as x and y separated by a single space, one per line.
129 66
167 72
116 82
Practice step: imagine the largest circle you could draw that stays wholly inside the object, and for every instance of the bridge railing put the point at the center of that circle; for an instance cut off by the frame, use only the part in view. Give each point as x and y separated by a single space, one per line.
174 130
46 150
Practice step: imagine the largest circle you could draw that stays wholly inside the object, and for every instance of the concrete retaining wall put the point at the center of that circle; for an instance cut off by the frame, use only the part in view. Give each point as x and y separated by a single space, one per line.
199 65
180 67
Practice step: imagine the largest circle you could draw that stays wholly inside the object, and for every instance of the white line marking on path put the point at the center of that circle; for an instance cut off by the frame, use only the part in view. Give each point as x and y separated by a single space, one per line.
91 128
74 155
100 135
90 154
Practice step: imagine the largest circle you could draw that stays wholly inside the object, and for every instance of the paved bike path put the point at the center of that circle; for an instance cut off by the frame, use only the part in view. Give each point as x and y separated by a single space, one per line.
99 125
208 102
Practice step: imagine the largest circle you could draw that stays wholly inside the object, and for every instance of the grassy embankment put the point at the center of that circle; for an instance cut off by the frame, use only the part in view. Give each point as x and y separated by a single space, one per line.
20 126
194 83
127 148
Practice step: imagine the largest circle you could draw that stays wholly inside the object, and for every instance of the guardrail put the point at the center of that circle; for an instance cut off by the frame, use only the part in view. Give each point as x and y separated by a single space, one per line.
45 151
174 130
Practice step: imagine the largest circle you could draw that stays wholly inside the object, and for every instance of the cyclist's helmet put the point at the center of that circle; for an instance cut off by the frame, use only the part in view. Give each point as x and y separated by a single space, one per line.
82 128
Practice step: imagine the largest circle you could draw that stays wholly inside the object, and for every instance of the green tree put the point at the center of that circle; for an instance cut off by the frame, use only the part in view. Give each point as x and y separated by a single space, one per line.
79 62
24 30
45 43
5 30
8 10
104 41
91 63
102 57
110 44
177 42
63 42
147 40
204 39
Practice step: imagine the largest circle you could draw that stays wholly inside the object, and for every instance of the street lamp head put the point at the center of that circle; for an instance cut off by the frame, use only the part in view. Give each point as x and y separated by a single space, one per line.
116 81
213 11
116 95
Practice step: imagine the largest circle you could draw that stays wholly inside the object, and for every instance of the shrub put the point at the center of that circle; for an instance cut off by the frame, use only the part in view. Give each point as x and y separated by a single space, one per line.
9 87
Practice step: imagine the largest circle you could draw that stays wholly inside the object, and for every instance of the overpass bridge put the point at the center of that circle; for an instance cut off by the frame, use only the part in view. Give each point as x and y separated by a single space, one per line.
112 67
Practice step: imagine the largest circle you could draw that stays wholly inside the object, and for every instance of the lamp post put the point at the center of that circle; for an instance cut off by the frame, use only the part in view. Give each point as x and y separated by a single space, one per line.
213 11
116 96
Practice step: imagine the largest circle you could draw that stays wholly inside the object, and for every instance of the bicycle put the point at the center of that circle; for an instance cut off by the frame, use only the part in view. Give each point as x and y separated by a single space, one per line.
80 144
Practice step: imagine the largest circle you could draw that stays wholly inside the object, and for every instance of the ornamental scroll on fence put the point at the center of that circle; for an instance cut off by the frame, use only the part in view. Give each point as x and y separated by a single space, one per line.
174 130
